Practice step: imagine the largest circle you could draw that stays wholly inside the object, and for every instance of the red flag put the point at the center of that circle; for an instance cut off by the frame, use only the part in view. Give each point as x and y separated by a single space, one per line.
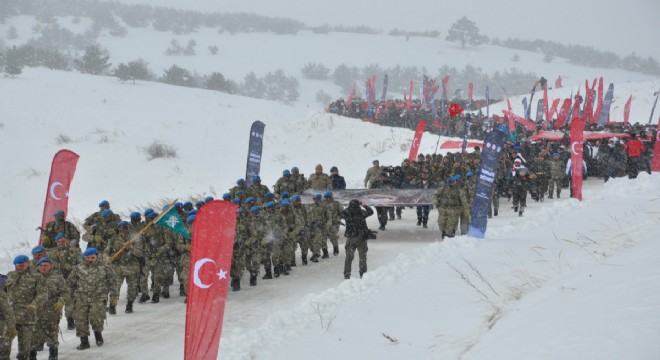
558 82
445 81
655 165
470 91
577 133
57 194
588 106
210 261
599 103
436 123
626 111
349 100
454 109
563 114
513 118
414 147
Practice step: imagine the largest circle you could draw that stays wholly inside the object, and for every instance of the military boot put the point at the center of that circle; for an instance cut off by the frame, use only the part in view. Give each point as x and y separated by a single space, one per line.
166 292
144 298
253 280
284 269
419 221
276 271
129 307
84 343
314 258
99 338
303 257
269 275
70 324
33 355
335 250
155 298
112 309
325 254
182 291
52 353
235 284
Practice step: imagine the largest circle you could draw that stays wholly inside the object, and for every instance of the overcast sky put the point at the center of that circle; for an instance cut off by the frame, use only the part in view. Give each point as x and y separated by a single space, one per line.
622 26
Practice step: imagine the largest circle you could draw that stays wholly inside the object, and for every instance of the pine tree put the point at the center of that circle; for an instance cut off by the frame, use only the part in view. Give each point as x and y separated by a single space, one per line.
14 62
176 75
217 81
94 61
465 31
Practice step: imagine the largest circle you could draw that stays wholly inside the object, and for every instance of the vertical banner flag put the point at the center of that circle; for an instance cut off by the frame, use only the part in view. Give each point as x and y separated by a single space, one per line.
558 82
528 114
524 102
254 151
539 110
587 111
171 220
349 99
546 108
655 165
487 102
210 262
493 144
513 118
553 108
654 104
563 114
385 81
414 147
445 82
626 111
604 116
577 133
367 90
599 106
470 92
62 170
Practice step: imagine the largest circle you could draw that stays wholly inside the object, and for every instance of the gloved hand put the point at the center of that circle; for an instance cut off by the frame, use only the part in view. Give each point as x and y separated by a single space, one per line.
31 309
467 214
11 333
98 239
58 306
114 301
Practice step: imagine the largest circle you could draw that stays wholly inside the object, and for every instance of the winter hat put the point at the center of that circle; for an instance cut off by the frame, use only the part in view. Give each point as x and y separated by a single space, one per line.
240 181
135 215
60 236
250 200
334 169
187 204
190 219
235 200
240 192
192 212
286 173
517 160
327 194
44 260
208 199
104 203
90 251
255 209
256 178
106 212
295 197
226 196
555 154
284 203
199 203
164 207
452 178
21 259
469 174
375 162
148 211
294 169
37 249
269 195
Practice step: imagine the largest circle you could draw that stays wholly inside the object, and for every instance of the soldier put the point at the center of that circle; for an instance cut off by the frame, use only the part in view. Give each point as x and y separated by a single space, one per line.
158 247
187 206
520 184
423 182
183 247
91 283
143 280
356 228
499 187
285 183
319 180
38 252
382 183
125 265
450 201
257 190
294 224
372 174
103 231
280 227
27 292
302 238
254 243
299 180
541 170
333 220
470 187
59 226
95 220
240 186
7 325
50 312
269 238
399 181
64 258
317 215
238 255
556 175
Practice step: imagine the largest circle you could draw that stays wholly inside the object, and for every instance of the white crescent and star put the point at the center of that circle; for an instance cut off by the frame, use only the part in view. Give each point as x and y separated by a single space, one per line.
198 265
53 186
573 147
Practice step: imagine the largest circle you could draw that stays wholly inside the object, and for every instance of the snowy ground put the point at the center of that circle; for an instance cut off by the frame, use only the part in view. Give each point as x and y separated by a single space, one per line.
568 280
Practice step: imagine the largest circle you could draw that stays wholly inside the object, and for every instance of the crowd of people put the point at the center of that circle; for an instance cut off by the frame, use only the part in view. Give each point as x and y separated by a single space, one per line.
272 225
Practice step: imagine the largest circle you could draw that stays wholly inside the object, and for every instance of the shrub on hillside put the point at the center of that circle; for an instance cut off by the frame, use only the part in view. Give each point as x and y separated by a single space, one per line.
158 150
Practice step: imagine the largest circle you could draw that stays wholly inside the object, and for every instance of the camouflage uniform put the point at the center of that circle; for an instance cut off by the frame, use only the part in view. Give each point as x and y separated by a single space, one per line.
286 227
103 232
64 259
286 183
557 168
7 323
272 234
333 219
238 255
48 318
450 201
93 222
541 170
183 248
303 237
126 266
373 173
158 249
254 244
54 228
24 289
301 184
257 191
470 187
91 284
143 275
317 217
319 180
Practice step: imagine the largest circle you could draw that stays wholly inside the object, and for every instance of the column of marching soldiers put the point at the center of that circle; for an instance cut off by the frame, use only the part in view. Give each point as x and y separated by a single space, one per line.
270 226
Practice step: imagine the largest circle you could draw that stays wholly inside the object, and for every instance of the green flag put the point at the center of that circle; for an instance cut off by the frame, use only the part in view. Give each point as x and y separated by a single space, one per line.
171 220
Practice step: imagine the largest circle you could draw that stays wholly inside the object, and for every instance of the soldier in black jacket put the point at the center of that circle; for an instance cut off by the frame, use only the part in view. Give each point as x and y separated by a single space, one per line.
356 234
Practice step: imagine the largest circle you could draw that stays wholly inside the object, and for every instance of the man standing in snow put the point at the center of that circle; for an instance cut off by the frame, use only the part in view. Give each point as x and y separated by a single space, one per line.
319 180
450 200
356 235
634 150
372 174
50 312
59 226
125 266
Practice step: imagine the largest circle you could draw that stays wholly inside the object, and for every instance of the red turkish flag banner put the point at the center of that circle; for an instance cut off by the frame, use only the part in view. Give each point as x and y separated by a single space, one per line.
563 114
454 109
599 103
655 165
210 262
414 148
349 100
626 111
57 194
470 91
577 133
529 124
553 108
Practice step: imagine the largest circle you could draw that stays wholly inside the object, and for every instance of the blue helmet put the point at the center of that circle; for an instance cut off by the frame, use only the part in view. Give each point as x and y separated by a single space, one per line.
90 251
269 204
122 223
59 213
469 174
187 204
21 259
555 154
178 204
295 197
240 181
256 178
255 209
317 197
240 192
457 176
284 195
37 249
240 210
250 200
106 212
192 212
148 211
104 203
269 195
44 260
452 178
208 199
285 203
327 194
375 162
294 169
235 200
190 219
286 173
135 214
199 203
60 236
226 196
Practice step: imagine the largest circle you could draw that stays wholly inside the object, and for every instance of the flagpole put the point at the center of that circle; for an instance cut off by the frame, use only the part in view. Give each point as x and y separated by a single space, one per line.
136 236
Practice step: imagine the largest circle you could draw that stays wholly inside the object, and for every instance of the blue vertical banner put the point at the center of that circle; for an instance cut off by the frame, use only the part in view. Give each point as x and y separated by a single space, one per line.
540 110
654 104
604 115
487 102
254 151
385 81
528 113
493 145
524 103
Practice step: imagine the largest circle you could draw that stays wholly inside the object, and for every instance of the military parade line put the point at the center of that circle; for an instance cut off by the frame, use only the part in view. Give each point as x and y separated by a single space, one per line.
270 227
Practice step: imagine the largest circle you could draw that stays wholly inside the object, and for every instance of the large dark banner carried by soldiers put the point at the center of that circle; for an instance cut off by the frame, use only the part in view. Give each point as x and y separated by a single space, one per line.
254 151
210 262
57 193
377 197
493 144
